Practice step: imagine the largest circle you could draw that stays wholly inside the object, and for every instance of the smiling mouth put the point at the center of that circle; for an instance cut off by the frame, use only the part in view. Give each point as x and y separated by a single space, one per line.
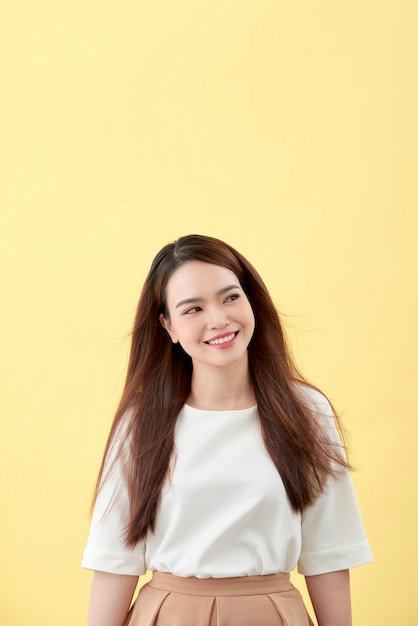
218 341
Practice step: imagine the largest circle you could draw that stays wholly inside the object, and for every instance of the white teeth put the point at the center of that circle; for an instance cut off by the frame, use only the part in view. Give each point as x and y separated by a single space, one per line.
216 342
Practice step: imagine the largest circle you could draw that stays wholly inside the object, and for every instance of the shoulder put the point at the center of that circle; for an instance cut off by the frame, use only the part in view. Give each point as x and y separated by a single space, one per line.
314 399
118 447
322 411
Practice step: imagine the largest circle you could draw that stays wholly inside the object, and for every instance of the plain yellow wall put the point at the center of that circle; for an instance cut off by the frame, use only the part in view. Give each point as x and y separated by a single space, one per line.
289 130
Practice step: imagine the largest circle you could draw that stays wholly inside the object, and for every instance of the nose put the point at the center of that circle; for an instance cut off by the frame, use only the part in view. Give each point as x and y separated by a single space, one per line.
217 318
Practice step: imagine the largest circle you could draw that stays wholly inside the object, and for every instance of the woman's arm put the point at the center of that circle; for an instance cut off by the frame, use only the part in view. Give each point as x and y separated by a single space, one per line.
110 598
330 596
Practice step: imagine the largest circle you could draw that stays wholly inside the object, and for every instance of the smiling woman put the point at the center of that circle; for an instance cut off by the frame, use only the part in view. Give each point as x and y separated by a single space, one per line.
223 468
216 330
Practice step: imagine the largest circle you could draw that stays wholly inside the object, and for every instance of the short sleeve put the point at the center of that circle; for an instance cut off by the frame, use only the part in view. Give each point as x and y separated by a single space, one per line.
105 550
333 536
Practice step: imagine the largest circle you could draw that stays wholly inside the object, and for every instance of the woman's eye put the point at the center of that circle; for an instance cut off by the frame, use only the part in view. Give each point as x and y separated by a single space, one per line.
232 297
194 309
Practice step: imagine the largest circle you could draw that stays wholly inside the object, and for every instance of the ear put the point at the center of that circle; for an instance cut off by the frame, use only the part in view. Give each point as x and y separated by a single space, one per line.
165 323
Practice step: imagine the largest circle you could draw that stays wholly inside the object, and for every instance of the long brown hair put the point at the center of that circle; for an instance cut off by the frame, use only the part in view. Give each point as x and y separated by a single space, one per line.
158 383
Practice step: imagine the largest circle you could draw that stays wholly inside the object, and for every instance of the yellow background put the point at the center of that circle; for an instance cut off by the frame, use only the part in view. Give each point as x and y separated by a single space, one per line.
290 130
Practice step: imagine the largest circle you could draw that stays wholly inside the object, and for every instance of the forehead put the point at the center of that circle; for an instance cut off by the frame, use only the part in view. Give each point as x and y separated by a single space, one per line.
195 279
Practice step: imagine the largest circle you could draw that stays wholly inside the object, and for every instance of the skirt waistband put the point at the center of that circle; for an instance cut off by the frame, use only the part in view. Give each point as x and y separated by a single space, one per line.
237 586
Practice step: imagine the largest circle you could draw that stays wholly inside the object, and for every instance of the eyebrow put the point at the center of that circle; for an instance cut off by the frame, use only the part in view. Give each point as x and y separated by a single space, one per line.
218 293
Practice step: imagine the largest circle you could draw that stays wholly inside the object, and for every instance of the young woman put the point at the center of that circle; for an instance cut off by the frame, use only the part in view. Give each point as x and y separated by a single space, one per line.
223 468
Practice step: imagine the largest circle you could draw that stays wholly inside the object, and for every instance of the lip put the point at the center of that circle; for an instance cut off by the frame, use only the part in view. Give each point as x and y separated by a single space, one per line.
223 344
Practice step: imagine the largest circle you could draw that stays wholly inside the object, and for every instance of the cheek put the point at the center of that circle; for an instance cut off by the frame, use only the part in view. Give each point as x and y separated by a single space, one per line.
252 323
250 315
185 330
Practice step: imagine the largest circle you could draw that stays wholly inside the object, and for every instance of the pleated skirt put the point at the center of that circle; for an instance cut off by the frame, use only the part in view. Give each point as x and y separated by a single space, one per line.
169 600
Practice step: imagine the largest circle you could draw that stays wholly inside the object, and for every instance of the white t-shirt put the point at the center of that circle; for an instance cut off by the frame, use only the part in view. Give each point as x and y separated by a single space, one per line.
224 511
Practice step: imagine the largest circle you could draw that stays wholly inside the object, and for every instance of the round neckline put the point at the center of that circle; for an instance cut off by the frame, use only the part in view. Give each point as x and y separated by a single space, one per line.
192 408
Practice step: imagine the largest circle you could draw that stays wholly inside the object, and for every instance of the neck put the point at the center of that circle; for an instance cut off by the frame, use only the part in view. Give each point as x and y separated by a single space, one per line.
221 389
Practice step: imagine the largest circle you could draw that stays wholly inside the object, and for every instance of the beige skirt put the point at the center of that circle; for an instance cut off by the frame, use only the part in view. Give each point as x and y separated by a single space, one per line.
169 600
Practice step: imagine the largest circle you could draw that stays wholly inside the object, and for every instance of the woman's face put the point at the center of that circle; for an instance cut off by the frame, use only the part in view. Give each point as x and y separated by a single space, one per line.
209 314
